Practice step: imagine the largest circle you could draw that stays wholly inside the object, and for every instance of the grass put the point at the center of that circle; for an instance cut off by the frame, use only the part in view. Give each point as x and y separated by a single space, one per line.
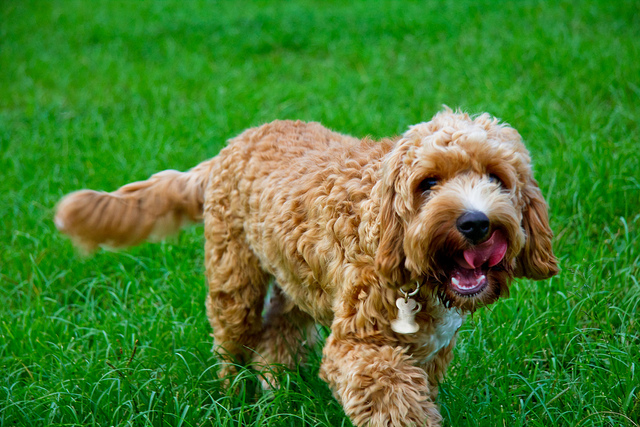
98 94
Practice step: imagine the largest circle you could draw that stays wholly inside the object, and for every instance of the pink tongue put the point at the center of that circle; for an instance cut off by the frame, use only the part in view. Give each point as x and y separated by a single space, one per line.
492 250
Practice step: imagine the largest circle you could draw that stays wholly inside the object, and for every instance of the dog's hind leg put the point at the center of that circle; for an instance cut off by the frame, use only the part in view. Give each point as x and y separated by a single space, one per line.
286 338
237 288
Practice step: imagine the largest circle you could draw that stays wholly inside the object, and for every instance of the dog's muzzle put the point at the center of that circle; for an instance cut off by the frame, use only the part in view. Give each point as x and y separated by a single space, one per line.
469 275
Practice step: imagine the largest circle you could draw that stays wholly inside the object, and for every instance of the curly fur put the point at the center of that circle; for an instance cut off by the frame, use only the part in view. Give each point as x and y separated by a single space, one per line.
342 224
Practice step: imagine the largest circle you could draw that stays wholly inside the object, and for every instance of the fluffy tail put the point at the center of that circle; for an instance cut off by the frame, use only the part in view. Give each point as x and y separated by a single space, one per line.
142 210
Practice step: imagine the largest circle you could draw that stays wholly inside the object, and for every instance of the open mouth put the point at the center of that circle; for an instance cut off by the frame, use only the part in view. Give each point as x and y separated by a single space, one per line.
469 273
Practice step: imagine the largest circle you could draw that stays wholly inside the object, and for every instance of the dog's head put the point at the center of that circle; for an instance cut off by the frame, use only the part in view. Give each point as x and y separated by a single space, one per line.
460 210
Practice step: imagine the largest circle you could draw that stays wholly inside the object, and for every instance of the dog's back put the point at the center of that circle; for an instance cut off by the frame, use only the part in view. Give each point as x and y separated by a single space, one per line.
161 205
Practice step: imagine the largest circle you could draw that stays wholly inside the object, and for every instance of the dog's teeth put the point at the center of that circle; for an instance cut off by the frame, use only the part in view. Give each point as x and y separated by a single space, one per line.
455 281
480 279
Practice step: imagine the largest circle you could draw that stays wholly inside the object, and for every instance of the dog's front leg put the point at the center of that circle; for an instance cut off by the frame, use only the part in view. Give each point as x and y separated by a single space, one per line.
377 384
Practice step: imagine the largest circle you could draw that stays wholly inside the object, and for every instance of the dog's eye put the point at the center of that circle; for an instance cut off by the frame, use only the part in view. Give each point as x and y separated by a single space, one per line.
495 180
427 184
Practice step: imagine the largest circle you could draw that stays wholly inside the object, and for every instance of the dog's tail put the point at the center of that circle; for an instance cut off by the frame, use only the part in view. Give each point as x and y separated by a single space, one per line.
142 210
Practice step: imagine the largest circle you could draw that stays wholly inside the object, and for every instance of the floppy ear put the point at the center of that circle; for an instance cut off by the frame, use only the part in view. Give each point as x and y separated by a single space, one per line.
536 260
390 254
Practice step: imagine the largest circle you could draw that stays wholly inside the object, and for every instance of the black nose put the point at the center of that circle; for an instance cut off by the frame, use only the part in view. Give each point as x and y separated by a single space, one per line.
474 226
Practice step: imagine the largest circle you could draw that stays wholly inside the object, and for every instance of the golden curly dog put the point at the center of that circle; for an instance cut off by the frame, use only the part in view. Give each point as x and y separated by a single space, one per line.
390 243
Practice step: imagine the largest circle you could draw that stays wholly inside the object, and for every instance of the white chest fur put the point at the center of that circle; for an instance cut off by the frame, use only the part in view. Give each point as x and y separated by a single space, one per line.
447 324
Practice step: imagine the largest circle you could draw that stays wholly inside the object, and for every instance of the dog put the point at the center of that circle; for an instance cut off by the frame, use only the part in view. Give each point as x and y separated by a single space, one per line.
389 243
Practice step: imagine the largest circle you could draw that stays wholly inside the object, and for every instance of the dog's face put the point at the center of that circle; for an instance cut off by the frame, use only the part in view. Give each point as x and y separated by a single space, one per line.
460 211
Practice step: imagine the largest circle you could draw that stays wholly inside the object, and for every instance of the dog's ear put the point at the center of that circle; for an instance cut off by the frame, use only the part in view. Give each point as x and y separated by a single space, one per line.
389 261
390 254
536 260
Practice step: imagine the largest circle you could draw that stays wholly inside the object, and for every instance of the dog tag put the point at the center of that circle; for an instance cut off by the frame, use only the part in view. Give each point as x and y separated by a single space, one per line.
406 321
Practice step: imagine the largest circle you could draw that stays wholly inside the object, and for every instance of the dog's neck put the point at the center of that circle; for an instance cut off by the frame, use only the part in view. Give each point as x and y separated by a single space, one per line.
447 323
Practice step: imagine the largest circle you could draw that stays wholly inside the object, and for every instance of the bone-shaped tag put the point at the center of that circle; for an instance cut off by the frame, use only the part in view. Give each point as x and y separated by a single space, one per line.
406 321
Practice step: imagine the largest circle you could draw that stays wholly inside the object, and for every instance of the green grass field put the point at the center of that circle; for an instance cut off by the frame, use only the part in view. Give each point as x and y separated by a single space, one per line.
97 94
